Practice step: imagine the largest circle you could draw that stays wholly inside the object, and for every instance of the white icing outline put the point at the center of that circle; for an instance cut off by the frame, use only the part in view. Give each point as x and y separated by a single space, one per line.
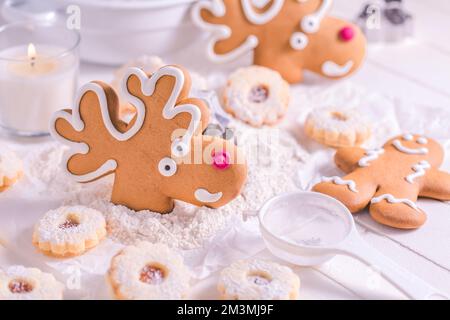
408 137
391 199
341 182
400 147
419 171
261 18
220 32
370 155
295 44
148 87
422 140
332 69
311 23
205 196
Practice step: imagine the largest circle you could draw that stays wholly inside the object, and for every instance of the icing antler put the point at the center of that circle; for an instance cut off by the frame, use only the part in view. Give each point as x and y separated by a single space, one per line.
95 115
161 154
288 36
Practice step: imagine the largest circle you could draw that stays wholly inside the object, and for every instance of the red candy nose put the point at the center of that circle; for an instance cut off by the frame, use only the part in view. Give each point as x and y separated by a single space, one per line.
346 34
221 160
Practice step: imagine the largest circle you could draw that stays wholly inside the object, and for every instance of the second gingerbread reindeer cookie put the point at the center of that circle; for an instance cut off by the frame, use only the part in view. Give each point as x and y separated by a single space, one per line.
390 180
285 35
160 155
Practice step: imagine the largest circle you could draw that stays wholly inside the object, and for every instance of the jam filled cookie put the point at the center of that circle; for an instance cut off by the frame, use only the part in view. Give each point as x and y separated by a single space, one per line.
148 272
20 283
258 280
337 128
10 168
257 95
69 231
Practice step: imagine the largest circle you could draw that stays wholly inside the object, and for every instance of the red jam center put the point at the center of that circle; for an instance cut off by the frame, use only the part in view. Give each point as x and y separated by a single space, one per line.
152 275
20 286
259 94
71 222
338 116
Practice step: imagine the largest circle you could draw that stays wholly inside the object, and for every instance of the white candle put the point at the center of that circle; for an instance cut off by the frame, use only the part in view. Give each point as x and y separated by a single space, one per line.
35 81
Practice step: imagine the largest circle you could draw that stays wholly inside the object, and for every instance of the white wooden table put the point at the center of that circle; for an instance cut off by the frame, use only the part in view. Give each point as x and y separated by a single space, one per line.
419 73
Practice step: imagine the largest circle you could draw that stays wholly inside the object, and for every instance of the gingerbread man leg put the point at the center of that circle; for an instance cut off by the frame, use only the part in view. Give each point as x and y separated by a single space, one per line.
397 208
353 190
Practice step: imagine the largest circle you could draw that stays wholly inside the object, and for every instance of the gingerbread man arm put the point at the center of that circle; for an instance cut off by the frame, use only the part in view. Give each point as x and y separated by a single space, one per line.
436 185
347 158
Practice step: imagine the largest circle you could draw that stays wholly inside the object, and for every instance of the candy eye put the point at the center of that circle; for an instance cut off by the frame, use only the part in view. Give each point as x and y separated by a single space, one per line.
299 41
179 148
310 24
167 167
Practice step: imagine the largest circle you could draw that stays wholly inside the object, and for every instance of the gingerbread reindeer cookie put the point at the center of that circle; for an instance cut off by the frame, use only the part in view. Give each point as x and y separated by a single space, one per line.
286 35
160 155
390 180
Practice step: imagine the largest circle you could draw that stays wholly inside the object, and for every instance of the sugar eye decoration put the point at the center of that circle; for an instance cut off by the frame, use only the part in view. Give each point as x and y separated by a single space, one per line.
167 167
310 24
179 148
299 40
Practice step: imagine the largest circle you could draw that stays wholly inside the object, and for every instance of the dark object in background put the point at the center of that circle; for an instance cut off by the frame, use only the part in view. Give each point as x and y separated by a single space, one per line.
385 21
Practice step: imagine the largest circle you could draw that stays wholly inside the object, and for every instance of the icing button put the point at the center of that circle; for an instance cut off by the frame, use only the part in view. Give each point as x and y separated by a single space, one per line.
221 160
346 34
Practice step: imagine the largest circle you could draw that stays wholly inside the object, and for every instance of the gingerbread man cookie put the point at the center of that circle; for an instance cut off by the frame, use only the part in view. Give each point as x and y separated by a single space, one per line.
286 35
390 180
161 154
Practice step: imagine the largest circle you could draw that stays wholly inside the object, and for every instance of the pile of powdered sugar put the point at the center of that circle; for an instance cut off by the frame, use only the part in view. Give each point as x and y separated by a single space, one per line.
273 157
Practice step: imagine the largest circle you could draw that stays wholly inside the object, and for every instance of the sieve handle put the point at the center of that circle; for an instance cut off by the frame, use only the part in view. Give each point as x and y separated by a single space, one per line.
405 281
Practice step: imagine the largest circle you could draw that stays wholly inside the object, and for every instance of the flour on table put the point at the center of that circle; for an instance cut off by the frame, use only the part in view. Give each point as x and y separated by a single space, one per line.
273 158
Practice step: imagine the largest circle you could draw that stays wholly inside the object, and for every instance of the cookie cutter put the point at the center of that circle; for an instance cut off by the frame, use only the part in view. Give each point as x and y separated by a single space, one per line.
309 228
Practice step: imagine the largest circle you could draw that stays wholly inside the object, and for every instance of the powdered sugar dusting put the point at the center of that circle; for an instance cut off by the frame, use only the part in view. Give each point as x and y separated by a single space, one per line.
273 157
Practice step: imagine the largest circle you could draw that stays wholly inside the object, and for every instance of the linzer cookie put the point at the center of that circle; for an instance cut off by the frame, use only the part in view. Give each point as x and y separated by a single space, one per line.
10 168
258 280
161 154
69 231
337 127
257 95
148 272
285 35
20 283
390 180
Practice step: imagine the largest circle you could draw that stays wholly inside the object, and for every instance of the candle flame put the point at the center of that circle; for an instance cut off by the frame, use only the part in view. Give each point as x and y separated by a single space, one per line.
31 51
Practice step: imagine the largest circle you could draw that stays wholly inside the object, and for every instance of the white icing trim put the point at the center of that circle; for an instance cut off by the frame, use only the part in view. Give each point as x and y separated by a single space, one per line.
408 137
299 41
220 32
205 196
339 181
398 145
371 155
332 69
422 140
170 111
391 199
311 23
77 123
261 18
148 87
419 171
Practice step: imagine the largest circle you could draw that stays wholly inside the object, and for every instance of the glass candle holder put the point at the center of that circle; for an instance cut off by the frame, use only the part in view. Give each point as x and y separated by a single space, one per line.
39 65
